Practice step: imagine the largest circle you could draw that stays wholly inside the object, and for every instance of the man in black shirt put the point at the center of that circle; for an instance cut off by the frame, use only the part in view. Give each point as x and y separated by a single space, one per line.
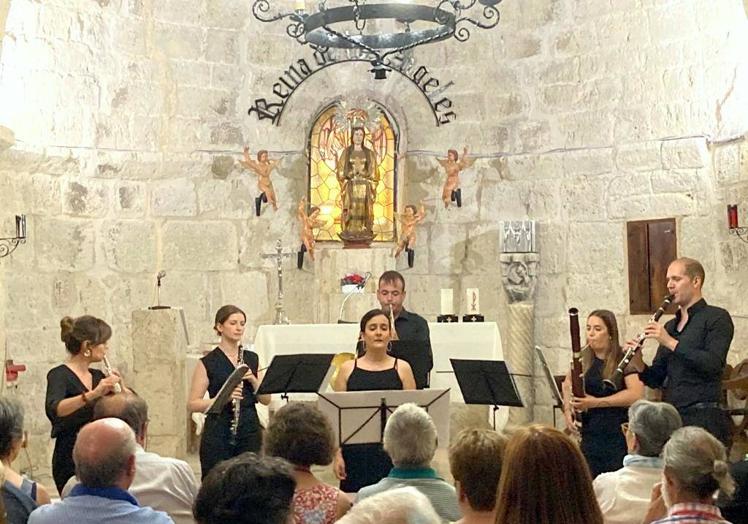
409 327
693 349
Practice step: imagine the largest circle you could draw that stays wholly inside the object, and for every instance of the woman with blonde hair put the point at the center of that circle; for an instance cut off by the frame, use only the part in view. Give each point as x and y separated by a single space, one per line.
545 480
602 409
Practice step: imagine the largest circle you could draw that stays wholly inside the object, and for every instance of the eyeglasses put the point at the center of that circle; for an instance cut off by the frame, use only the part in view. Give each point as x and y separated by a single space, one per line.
625 428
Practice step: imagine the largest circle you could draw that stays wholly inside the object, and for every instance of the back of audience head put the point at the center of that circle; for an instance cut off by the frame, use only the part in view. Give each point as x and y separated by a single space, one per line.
410 437
301 434
246 490
652 423
475 460
395 506
695 467
545 479
11 428
126 406
104 454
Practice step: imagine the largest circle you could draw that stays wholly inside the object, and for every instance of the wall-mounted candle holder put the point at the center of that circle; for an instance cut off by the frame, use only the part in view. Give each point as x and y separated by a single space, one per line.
733 225
9 244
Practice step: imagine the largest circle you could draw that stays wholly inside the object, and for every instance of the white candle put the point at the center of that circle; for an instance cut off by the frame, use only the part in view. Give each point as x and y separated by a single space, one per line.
447 298
299 5
473 301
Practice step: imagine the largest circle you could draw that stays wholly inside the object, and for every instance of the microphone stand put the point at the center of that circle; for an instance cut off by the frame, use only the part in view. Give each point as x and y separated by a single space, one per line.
158 305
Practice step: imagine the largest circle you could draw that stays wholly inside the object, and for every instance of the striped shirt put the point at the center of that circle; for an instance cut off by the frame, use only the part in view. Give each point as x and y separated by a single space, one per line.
693 513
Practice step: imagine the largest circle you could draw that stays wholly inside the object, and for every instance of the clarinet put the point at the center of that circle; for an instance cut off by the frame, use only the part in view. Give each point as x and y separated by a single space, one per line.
236 403
108 370
577 374
630 352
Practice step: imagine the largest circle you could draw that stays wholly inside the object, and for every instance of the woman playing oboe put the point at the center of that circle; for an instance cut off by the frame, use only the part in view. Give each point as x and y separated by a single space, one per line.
603 410
218 441
73 386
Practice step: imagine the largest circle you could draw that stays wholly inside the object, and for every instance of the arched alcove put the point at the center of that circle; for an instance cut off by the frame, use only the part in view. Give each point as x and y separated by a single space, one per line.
328 136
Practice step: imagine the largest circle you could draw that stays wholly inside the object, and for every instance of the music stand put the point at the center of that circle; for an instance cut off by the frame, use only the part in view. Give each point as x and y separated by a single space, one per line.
551 381
359 417
415 353
224 394
295 374
486 382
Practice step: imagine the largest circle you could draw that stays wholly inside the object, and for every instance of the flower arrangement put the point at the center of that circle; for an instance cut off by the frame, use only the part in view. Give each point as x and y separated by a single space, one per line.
352 278
352 283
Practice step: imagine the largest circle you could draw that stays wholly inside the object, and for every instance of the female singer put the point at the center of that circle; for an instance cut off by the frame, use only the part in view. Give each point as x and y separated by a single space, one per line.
359 465
217 442
603 409
73 386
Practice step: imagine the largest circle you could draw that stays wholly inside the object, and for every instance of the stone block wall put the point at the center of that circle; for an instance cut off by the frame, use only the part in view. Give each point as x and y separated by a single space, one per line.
128 116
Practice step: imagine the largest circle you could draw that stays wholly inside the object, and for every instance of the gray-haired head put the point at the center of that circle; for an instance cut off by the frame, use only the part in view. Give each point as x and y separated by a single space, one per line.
104 453
410 436
697 461
653 423
394 506
11 425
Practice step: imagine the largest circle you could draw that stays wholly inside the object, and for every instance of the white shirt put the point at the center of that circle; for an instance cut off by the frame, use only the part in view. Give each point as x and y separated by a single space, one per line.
623 495
163 483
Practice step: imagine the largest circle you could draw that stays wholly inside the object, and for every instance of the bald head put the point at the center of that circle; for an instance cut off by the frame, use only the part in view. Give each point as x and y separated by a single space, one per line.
104 454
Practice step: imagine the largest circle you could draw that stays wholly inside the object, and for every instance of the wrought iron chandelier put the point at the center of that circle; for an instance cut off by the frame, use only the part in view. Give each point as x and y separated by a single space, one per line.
379 29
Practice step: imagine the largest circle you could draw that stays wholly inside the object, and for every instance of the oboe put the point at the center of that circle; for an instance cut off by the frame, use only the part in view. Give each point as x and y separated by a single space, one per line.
236 403
630 352
577 374
108 370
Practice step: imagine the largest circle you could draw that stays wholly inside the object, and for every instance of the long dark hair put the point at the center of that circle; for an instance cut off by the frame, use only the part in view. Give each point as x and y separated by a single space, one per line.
615 352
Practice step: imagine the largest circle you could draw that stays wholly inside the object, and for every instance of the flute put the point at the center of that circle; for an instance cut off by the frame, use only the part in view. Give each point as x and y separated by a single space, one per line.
393 332
108 370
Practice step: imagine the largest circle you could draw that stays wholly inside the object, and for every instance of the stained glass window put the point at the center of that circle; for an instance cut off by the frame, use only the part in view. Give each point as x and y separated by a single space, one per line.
328 139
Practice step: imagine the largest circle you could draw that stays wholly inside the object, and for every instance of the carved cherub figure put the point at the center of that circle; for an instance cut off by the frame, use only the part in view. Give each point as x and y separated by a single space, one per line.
452 166
307 223
262 167
409 221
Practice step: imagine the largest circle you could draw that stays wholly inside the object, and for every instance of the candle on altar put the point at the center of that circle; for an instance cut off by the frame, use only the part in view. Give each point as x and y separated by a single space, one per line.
447 307
299 5
472 296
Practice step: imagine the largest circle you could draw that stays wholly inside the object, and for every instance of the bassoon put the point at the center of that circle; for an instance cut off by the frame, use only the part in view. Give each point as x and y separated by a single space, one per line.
577 374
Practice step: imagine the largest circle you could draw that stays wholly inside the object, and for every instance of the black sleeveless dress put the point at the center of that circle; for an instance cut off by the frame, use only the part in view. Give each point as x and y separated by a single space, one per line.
603 443
367 464
215 444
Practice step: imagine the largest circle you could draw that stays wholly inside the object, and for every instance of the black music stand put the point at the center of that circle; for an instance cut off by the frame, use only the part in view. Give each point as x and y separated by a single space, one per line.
224 394
486 382
295 374
415 353
552 384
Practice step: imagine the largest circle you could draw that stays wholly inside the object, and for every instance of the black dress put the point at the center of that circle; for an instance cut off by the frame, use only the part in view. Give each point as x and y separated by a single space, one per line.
603 443
215 444
367 464
63 383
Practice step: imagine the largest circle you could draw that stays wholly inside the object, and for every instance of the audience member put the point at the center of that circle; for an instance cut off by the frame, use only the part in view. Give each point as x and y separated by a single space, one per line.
404 505
735 508
695 469
410 440
21 495
475 460
163 483
545 480
623 495
104 456
246 490
302 435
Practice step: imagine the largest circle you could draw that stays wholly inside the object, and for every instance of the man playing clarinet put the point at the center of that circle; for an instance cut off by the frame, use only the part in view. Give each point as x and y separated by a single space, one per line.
691 358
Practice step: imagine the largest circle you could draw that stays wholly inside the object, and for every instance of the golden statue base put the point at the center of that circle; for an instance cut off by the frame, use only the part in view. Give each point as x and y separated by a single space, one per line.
356 240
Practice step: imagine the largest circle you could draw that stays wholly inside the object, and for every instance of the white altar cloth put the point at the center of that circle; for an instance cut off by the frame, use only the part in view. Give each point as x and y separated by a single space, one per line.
465 340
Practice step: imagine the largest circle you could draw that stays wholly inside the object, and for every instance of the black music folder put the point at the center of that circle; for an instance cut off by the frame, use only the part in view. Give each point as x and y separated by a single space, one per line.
295 374
224 394
486 382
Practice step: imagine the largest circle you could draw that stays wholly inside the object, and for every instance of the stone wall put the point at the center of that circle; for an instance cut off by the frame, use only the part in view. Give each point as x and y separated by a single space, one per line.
583 114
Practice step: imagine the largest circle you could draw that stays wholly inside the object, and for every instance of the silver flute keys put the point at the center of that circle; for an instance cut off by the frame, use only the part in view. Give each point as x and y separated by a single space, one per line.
108 370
